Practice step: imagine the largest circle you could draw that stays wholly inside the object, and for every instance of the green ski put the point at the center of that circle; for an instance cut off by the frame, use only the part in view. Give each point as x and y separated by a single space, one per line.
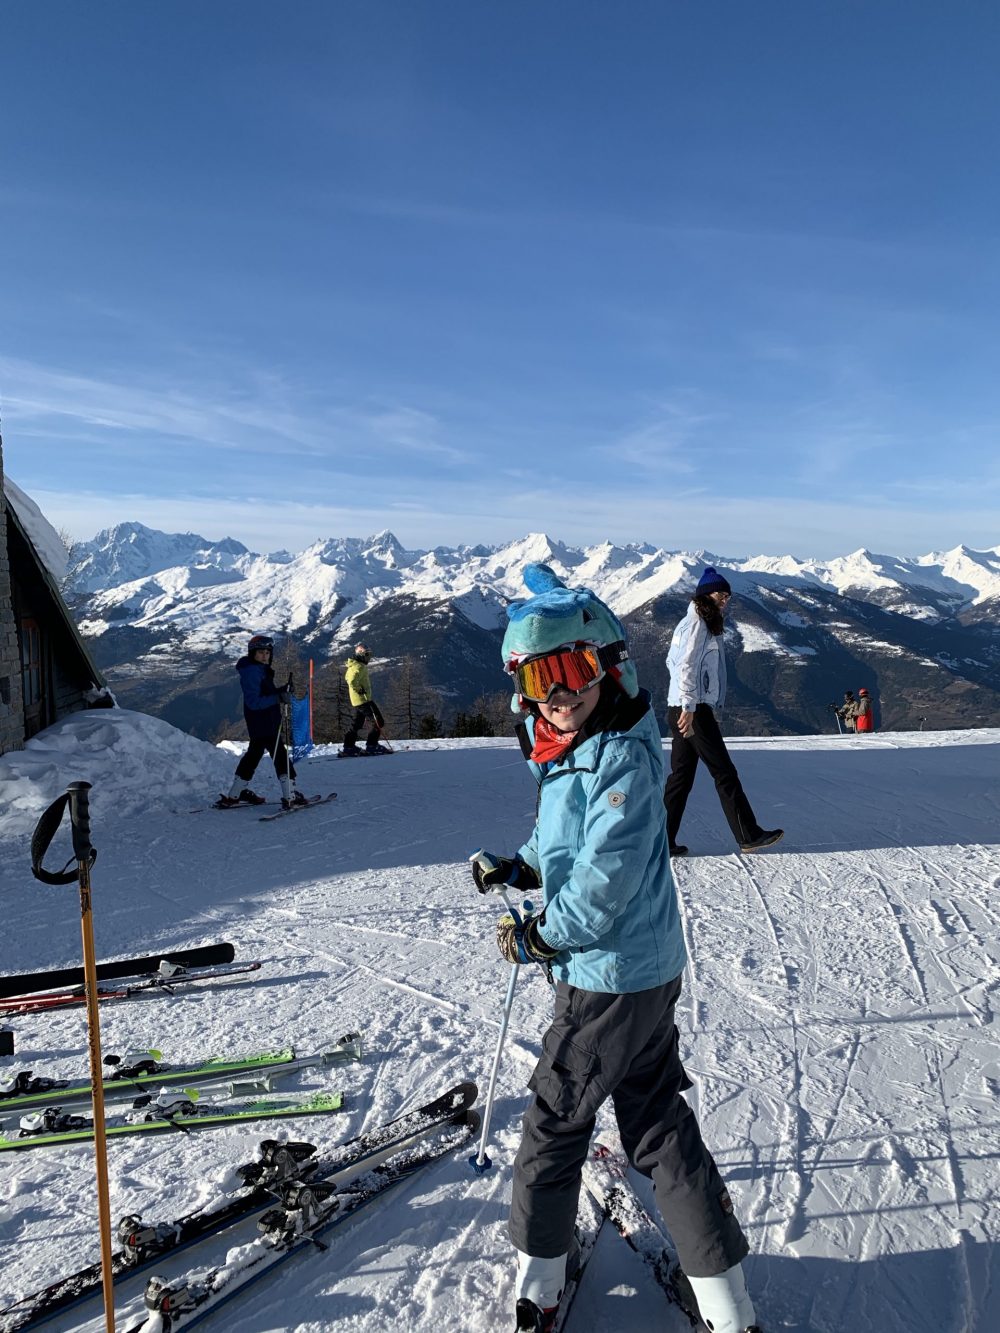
141 1070
50 1127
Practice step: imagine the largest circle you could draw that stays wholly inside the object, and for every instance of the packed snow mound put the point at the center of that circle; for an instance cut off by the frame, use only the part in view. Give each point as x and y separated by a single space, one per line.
132 761
41 533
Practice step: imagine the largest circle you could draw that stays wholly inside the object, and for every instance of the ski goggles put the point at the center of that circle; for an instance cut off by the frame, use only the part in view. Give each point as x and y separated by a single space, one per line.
574 668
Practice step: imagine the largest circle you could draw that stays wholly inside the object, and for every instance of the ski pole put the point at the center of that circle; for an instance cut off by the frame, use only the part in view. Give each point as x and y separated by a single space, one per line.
78 800
284 737
481 1161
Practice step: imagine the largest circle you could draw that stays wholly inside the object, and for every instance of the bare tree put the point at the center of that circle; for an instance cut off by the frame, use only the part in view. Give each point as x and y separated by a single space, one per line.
495 709
410 699
332 711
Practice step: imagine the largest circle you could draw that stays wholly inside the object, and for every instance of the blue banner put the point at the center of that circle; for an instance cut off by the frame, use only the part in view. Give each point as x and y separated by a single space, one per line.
302 741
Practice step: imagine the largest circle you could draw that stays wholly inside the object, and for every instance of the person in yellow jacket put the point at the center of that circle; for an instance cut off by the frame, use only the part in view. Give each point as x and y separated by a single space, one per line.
366 710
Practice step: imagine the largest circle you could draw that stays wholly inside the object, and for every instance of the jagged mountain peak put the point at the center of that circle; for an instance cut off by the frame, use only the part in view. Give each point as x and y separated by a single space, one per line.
787 617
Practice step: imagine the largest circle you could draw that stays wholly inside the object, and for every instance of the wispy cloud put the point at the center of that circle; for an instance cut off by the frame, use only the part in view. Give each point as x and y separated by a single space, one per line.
724 523
260 413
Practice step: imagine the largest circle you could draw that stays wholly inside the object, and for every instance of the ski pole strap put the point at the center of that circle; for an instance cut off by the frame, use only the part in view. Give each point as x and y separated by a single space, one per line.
45 830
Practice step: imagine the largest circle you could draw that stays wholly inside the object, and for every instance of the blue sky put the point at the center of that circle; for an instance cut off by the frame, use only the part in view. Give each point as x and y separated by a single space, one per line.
718 275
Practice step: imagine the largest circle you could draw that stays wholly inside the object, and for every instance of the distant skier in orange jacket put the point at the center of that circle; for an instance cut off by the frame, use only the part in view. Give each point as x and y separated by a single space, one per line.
864 718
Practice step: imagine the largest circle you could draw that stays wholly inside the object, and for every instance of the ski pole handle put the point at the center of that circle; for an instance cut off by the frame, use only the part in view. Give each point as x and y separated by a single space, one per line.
79 816
48 825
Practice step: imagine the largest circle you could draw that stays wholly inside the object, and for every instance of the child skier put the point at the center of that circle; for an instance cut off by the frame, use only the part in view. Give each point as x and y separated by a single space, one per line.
262 701
610 934
366 710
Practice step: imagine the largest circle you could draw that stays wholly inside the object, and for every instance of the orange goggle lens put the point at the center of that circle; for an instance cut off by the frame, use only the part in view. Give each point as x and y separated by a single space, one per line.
573 668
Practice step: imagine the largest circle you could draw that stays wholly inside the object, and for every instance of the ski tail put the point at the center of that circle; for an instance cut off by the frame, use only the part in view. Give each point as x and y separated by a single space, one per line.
605 1178
590 1221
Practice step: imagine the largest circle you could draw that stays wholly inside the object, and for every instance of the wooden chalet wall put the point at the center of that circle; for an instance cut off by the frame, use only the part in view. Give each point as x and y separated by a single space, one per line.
11 712
45 668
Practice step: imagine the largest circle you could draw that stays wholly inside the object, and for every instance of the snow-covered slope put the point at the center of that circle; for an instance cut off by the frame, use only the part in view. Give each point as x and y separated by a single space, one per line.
838 1020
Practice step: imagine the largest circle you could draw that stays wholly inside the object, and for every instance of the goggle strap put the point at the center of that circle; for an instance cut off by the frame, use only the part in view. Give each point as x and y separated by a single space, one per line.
612 654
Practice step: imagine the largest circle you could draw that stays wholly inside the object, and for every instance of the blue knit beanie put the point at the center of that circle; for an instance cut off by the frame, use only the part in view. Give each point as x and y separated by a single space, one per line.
711 581
557 615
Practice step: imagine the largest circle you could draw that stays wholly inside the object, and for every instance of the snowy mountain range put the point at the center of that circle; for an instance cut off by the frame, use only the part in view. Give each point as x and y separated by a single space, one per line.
168 614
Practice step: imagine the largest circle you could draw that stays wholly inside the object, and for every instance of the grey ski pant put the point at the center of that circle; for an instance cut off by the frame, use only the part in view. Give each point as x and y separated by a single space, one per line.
623 1047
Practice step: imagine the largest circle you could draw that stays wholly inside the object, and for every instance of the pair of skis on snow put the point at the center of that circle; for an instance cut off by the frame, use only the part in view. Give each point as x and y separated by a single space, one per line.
173 1109
138 1070
166 978
286 808
609 1199
304 1198
203 955
311 1205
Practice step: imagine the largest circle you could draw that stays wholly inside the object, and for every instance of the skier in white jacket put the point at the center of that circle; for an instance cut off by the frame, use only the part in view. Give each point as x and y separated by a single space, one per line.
697 665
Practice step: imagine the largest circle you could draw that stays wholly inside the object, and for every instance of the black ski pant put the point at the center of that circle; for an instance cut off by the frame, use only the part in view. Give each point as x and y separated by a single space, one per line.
367 712
260 746
707 745
623 1047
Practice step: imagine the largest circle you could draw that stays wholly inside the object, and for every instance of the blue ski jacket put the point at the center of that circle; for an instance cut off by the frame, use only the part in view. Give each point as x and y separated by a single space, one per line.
599 847
261 708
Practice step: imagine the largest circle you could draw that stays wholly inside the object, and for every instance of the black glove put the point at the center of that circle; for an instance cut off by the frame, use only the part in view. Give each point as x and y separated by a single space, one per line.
491 871
519 941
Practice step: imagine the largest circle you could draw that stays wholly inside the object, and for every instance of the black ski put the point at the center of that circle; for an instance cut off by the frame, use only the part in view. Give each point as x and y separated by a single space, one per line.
589 1221
306 1212
170 976
306 805
145 1243
605 1176
205 955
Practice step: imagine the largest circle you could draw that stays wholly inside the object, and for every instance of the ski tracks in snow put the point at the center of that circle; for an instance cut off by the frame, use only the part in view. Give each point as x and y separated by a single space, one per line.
839 1009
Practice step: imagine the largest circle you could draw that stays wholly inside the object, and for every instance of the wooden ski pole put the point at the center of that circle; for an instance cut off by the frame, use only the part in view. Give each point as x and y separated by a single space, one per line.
79 813
78 800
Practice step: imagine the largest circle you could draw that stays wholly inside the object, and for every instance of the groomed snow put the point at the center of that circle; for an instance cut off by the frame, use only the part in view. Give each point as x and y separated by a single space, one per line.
839 1019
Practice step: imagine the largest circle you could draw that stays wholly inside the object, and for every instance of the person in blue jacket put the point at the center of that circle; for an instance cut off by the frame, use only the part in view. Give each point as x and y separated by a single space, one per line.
609 934
697 665
262 700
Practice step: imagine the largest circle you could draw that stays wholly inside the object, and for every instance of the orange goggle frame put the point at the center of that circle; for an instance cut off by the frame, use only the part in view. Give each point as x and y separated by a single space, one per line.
574 669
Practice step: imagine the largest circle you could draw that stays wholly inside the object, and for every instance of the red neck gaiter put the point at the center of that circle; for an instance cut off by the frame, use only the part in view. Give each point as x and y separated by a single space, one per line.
550 742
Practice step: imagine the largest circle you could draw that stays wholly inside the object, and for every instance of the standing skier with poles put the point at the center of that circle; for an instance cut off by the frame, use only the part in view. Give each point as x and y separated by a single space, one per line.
263 702
848 711
366 710
610 935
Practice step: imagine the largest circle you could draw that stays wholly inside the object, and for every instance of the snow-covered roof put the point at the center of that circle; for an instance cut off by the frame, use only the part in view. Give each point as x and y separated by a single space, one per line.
39 531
